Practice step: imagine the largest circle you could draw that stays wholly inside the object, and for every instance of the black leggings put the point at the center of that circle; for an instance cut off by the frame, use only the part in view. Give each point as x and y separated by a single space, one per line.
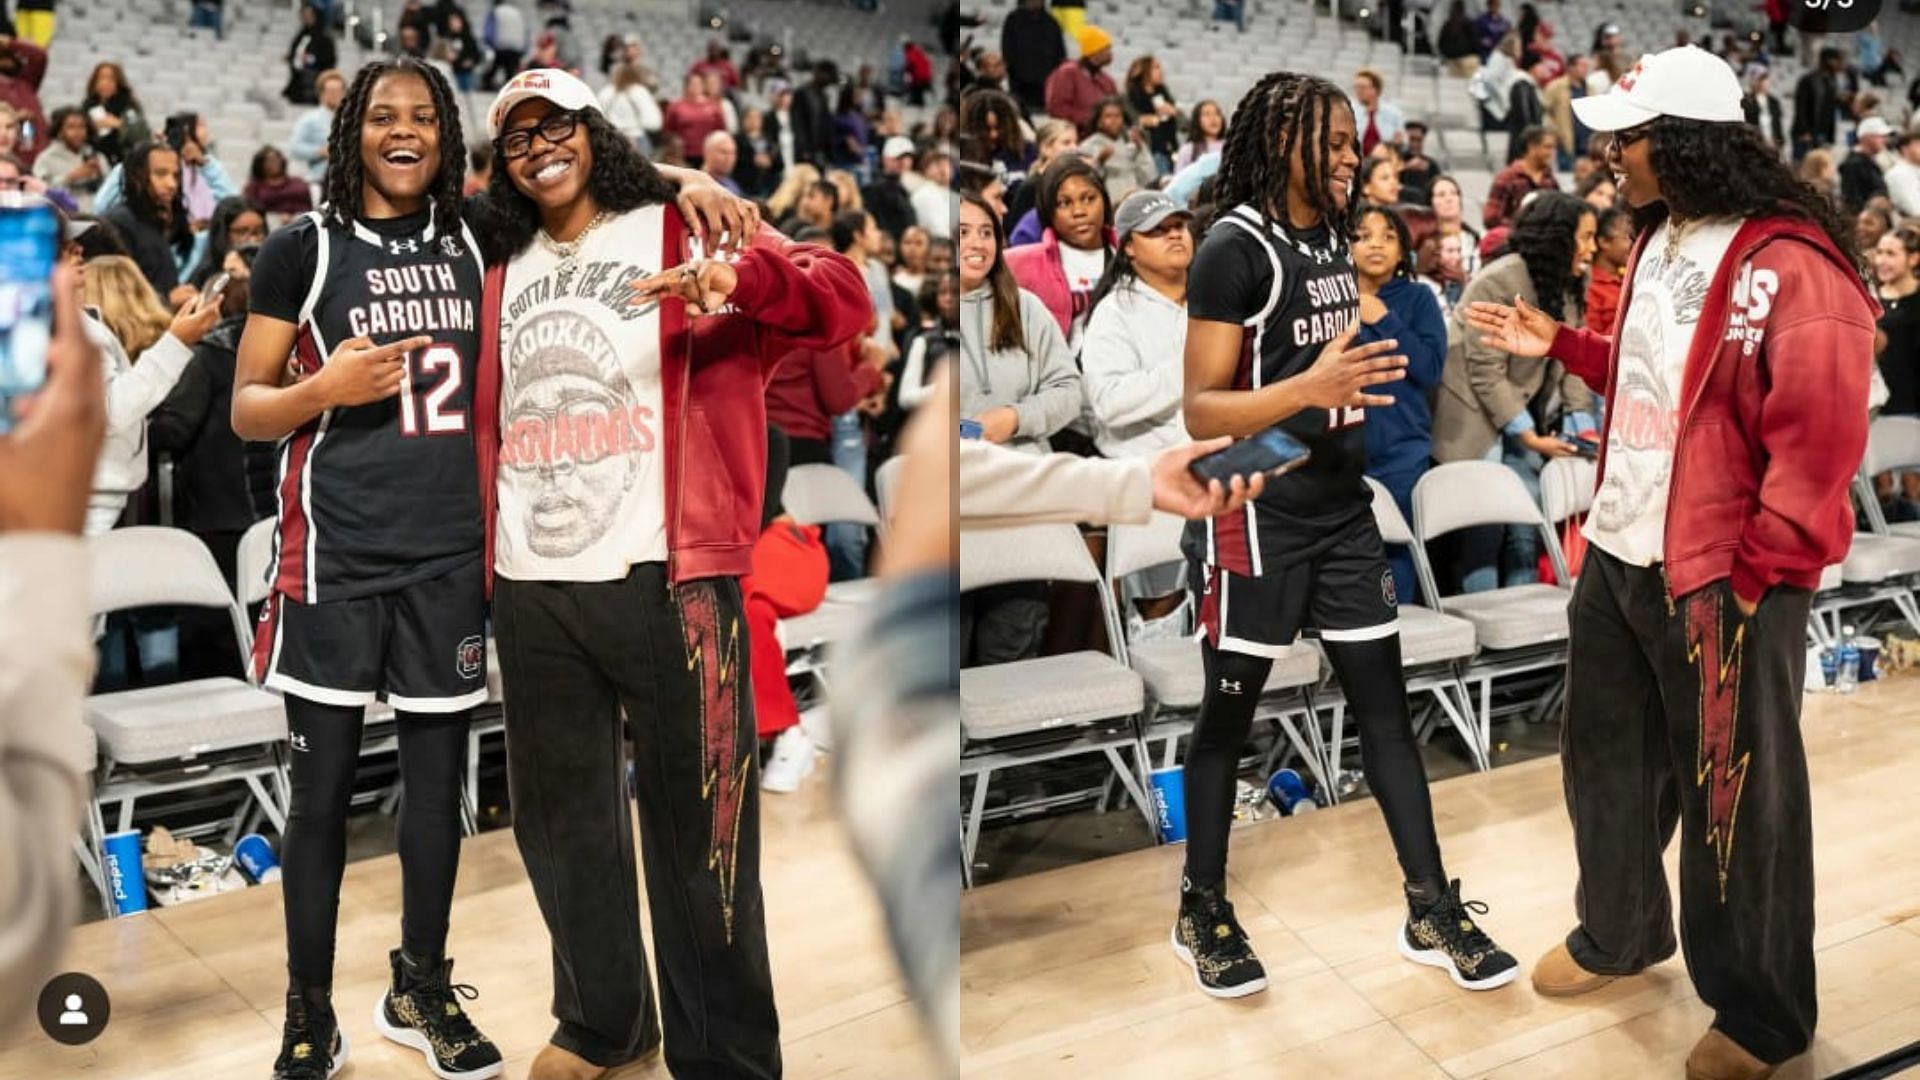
326 754
1370 673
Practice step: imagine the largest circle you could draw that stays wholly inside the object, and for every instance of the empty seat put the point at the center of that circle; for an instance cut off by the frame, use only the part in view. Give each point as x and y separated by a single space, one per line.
184 720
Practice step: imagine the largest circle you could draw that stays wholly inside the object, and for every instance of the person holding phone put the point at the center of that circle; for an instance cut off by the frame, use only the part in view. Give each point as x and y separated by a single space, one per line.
1274 310
1485 407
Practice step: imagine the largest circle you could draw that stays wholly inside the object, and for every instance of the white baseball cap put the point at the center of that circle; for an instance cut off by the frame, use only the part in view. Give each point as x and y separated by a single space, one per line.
1687 82
1874 125
897 146
551 84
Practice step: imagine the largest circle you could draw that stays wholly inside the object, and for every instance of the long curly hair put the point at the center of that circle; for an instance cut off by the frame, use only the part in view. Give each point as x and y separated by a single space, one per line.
1726 169
344 196
1543 238
1284 110
145 204
622 179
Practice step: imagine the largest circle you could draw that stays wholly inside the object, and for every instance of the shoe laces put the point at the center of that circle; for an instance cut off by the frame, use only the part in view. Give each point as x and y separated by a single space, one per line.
1453 917
439 1000
1213 914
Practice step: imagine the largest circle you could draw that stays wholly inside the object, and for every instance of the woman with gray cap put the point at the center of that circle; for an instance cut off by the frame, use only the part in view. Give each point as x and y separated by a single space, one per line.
1736 388
1131 361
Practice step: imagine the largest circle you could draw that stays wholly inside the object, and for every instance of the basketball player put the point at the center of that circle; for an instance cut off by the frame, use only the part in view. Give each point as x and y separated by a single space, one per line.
621 426
1736 385
377 586
1273 311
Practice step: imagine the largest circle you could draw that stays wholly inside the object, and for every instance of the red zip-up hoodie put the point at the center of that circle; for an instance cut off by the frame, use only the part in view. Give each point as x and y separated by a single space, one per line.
1773 411
712 384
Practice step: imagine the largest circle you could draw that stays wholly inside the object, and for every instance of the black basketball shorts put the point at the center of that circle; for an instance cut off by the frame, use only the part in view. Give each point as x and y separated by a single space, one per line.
422 647
1344 591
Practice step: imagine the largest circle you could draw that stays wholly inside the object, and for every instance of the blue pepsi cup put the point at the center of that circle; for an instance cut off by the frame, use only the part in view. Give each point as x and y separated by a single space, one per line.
971 429
1289 792
120 862
1170 803
257 859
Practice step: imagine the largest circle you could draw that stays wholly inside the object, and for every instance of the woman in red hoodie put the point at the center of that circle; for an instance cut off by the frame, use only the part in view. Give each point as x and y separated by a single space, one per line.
621 434
1736 385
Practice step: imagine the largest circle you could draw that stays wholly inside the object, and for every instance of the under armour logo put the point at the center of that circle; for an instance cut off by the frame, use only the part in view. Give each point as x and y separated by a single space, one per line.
299 742
1229 686
403 247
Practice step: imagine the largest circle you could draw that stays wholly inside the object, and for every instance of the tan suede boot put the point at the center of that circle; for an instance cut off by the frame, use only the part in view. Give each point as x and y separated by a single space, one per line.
1716 1057
553 1063
1558 974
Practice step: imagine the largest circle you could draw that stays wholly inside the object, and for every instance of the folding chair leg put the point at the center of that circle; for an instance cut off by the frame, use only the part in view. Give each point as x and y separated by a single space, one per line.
966 861
1130 778
265 804
470 792
1909 608
1315 762
1336 748
97 858
976 812
1468 731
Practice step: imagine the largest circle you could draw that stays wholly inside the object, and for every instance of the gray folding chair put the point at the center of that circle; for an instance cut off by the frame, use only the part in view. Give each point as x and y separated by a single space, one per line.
1566 488
1519 629
1051 707
1174 674
1435 650
822 495
195 734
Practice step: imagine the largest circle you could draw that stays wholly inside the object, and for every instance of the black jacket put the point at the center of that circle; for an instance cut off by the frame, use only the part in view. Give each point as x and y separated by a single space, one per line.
1775 129
1523 111
148 246
215 473
755 181
892 208
812 114
1816 101
1032 45
1457 40
1860 180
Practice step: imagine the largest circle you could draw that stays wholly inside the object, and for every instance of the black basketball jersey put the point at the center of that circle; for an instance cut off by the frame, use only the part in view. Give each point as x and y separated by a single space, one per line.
373 497
1291 293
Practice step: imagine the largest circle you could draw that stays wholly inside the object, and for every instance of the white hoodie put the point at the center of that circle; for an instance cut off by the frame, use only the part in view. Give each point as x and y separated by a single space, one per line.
1133 367
133 391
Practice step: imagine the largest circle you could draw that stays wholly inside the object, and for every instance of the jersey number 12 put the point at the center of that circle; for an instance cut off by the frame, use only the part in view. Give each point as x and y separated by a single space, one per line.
440 419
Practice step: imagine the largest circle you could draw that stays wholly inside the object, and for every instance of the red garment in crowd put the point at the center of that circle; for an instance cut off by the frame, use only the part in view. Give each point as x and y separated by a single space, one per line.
789 578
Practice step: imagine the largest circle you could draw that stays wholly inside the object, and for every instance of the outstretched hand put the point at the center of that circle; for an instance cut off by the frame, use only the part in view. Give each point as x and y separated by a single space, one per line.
1522 329
1177 491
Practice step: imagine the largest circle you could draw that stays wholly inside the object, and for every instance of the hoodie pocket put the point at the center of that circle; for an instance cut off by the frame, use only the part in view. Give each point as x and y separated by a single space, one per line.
713 509
1718 491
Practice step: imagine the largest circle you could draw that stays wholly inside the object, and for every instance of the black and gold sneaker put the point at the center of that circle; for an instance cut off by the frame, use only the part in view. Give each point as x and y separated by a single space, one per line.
1210 940
312 1046
422 1010
1440 932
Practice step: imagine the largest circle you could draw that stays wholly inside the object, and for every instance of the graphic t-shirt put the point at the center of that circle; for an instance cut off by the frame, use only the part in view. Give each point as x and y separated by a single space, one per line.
1083 270
1656 333
582 480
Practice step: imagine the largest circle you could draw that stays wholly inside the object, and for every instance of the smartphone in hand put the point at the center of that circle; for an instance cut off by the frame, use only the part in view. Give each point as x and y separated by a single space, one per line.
29 248
1272 452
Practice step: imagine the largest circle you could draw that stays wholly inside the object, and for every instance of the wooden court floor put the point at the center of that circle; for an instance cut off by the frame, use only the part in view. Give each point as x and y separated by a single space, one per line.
198 991
1068 973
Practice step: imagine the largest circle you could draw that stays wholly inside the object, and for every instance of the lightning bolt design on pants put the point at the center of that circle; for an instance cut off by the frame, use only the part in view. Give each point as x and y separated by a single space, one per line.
1717 770
713 656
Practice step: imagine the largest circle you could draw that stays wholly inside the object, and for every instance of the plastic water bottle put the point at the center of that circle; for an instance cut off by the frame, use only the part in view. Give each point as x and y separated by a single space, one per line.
1847 678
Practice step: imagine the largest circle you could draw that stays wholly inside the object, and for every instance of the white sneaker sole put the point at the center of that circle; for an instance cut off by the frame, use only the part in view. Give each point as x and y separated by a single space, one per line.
340 1059
410 1038
1439 959
1240 991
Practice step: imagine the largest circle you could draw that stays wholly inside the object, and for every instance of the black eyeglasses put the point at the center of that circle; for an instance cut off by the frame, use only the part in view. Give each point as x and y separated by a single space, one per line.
1628 136
557 128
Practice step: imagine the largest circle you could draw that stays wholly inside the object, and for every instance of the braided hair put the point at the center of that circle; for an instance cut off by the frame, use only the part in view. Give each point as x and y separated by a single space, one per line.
145 203
1543 237
1286 109
344 196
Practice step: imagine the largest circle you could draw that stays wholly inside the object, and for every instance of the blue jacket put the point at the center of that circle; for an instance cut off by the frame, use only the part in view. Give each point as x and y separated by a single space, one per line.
1400 439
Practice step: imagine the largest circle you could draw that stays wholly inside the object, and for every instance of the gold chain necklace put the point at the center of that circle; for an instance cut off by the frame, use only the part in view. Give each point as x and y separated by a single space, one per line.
567 250
1676 235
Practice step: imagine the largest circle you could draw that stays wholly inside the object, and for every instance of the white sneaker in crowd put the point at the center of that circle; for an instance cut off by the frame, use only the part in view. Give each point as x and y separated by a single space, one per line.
792 761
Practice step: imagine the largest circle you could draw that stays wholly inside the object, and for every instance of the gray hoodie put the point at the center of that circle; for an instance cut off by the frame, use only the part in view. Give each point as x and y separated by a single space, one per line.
1040 380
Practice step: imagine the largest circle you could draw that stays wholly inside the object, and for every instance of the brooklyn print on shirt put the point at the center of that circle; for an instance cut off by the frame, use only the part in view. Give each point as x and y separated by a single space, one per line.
582 477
